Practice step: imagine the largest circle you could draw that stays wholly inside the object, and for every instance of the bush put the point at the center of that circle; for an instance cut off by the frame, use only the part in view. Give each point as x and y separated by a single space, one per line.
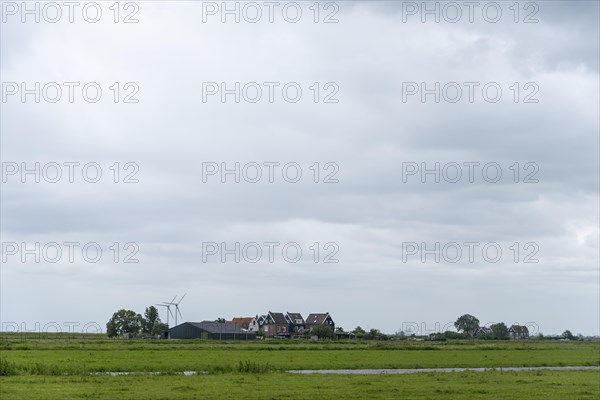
455 335
322 332
7 368
243 367
251 367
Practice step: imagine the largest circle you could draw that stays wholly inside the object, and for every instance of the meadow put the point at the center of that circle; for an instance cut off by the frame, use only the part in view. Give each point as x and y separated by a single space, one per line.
58 367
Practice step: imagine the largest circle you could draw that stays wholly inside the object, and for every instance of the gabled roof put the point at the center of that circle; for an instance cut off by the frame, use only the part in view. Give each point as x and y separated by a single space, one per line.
242 322
292 317
317 319
278 318
518 329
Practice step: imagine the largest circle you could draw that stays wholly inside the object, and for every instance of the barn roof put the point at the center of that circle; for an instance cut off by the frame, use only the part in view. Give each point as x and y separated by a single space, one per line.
217 327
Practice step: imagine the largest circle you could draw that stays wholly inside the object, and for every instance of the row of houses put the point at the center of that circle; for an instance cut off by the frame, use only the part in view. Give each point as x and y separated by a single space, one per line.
272 324
515 331
283 325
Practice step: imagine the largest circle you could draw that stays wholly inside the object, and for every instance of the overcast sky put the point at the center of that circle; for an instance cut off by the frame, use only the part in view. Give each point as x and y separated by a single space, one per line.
370 210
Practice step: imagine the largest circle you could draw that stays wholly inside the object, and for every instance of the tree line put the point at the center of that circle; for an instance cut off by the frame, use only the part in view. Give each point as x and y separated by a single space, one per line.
129 322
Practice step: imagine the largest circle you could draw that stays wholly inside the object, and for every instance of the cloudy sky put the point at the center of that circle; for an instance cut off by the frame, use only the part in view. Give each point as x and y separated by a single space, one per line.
348 102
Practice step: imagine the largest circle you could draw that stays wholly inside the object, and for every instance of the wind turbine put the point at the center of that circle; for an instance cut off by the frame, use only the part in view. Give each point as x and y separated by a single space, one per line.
168 307
177 307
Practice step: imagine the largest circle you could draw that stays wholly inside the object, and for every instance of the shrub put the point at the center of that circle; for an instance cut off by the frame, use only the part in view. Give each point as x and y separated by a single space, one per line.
7 368
251 367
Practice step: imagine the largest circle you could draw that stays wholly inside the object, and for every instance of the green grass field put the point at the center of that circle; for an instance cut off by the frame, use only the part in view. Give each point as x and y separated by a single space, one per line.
59 368
53 357
467 385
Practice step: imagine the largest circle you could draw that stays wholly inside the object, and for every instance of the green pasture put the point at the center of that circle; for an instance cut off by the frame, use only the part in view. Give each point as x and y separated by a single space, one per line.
493 385
59 367
79 356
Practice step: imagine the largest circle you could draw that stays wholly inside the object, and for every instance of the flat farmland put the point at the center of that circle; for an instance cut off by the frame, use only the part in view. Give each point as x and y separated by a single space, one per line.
62 368
492 385
60 356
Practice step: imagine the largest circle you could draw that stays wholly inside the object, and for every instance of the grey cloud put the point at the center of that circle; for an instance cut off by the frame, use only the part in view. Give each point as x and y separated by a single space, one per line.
369 134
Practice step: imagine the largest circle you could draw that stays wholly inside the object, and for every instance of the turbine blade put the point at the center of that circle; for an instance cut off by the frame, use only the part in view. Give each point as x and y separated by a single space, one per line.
179 312
181 298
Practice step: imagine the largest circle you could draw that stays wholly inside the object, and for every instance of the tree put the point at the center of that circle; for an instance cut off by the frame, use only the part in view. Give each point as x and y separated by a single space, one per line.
151 320
453 335
159 328
220 320
568 335
322 331
359 332
339 329
124 321
467 323
500 331
373 334
111 328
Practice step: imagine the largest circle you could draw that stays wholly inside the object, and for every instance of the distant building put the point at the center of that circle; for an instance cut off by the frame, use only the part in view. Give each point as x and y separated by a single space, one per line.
210 330
344 335
296 322
483 330
518 332
319 319
275 324
257 323
242 322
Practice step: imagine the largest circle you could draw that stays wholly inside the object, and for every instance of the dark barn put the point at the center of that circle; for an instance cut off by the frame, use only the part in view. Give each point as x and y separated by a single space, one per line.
210 330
